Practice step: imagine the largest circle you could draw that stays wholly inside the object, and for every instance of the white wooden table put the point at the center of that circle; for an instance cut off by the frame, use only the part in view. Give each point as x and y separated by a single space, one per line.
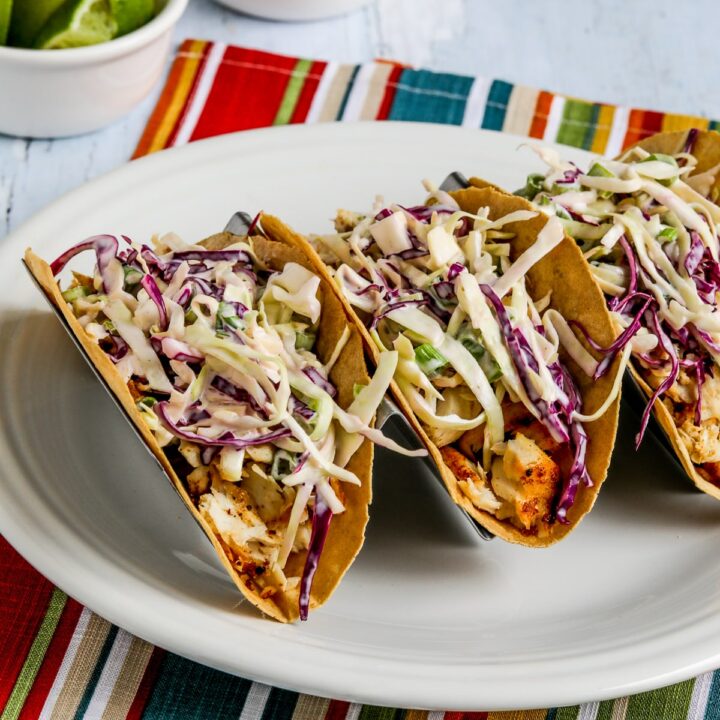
647 53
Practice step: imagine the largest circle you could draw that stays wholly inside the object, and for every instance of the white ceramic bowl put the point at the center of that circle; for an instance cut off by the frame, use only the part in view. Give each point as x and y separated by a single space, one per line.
55 93
295 9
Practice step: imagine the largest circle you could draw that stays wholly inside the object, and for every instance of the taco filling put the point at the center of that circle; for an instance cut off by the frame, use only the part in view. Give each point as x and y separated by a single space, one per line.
220 353
479 356
650 235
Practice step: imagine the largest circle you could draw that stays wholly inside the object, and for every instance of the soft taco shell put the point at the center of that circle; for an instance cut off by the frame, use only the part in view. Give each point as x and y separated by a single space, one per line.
347 530
706 148
576 296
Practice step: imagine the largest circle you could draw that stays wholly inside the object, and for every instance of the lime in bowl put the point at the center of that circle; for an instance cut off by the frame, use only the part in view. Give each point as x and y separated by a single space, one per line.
69 67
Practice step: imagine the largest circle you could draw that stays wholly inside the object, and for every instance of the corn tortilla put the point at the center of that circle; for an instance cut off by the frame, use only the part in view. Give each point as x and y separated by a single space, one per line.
347 530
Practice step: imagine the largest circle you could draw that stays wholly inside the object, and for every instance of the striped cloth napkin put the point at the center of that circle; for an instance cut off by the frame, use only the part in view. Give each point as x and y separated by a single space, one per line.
60 660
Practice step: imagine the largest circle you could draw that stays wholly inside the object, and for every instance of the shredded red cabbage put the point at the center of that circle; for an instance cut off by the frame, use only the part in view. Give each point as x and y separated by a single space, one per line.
184 296
703 269
666 384
424 213
690 140
611 351
578 217
301 463
225 440
254 223
549 416
208 288
411 253
444 289
700 379
151 288
695 254
322 515
454 270
299 408
395 306
240 395
105 247
704 338
370 288
578 471
118 347
317 379
194 415
632 264
153 262
239 308
569 176
176 350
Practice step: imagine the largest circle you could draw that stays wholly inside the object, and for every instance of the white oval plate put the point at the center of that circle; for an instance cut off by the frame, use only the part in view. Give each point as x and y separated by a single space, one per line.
429 616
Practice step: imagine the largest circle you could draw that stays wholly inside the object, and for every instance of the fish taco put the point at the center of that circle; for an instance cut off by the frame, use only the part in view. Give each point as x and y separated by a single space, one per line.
647 223
474 290
247 380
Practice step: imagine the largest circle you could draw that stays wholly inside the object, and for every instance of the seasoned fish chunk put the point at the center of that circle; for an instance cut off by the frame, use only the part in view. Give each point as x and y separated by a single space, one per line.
703 441
471 480
526 478
517 419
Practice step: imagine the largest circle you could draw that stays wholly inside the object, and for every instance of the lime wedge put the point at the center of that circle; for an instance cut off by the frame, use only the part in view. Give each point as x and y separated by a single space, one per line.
78 23
131 14
28 16
5 14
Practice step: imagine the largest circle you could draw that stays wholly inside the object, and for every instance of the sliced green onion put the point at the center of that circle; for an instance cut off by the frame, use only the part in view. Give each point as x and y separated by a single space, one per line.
667 234
147 402
491 369
226 315
562 213
669 160
661 157
533 185
283 464
358 388
132 275
109 326
429 360
304 340
598 170
470 342
200 382
190 317
75 293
